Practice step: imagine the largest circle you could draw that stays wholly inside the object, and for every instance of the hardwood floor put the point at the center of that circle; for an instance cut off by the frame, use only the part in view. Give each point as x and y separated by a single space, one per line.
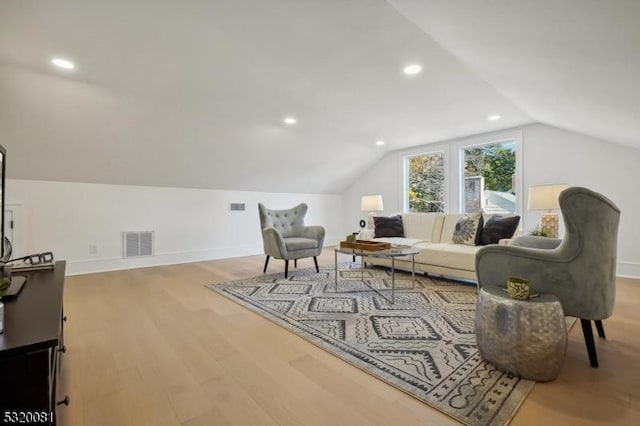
153 346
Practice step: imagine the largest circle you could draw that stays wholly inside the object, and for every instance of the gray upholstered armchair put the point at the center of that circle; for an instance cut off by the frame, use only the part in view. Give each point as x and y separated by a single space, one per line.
579 269
285 236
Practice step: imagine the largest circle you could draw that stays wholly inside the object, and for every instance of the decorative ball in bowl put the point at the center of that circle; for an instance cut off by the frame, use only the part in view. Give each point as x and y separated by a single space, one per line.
518 288
351 237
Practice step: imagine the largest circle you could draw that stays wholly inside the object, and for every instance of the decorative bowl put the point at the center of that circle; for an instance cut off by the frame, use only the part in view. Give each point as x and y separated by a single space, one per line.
518 288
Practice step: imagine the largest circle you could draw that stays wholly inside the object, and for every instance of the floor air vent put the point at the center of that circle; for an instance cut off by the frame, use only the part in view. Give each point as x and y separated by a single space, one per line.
137 244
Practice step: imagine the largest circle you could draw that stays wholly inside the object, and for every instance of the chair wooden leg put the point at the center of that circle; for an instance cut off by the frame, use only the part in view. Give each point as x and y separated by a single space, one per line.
266 262
286 268
600 328
315 260
588 339
295 263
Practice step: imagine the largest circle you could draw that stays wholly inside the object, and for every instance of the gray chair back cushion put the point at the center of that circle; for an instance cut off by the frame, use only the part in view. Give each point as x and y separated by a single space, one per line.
590 249
289 222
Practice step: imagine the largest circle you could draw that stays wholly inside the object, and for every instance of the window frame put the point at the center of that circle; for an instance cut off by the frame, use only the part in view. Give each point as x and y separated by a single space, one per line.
516 138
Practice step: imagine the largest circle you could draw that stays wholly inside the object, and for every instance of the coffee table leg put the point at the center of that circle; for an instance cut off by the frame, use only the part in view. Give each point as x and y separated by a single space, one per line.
335 270
413 271
393 279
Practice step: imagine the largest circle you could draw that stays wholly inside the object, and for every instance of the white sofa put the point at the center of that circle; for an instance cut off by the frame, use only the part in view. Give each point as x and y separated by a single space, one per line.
432 233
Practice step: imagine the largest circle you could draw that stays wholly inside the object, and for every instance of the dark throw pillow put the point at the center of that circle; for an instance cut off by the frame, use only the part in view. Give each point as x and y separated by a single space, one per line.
388 226
497 228
467 229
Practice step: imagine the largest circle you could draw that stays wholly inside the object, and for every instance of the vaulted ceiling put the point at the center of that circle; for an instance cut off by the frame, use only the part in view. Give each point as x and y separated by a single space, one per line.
193 93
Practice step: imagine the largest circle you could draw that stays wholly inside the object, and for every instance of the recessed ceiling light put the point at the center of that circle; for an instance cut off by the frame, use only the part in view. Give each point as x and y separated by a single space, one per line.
379 143
412 69
494 117
63 63
290 121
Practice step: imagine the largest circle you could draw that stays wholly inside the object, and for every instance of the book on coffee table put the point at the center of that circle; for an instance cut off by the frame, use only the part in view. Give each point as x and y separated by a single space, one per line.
26 267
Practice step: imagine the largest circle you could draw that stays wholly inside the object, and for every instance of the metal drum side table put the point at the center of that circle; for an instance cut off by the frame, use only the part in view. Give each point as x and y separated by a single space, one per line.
526 338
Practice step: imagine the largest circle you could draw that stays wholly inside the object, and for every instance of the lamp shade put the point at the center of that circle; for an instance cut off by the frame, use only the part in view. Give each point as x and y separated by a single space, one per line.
371 203
545 197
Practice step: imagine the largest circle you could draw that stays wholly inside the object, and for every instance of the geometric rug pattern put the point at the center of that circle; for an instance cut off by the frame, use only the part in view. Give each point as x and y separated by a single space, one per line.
423 344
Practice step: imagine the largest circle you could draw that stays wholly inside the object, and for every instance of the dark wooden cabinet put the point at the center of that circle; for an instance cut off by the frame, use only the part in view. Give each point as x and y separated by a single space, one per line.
30 349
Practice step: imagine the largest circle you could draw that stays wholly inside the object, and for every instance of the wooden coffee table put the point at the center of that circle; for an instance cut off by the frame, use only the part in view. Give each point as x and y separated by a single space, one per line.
392 253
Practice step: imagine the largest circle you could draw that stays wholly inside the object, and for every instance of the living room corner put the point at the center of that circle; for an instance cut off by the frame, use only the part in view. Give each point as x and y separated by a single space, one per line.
380 212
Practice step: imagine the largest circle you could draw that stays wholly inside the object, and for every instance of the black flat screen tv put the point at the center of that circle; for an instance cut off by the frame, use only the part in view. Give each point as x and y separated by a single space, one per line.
16 282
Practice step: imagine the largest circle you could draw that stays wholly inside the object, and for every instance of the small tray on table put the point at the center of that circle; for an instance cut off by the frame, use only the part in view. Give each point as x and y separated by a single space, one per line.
365 245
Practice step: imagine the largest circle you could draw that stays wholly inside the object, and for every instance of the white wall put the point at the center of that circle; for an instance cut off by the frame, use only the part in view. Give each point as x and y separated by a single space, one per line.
382 179
550 155
189 224
195 224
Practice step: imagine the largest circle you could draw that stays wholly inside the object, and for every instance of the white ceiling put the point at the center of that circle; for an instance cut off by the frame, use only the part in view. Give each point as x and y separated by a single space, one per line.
192 93
570 63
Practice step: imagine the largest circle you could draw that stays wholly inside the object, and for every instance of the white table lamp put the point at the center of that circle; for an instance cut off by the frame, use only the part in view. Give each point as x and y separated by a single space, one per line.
545 197
371 204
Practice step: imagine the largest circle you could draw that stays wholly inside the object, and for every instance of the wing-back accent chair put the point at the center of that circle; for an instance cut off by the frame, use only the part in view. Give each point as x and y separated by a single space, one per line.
580 269
285 236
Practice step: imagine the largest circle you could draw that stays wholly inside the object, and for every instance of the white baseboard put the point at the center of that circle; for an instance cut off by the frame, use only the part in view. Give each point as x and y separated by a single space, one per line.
89 266
628 269
105 264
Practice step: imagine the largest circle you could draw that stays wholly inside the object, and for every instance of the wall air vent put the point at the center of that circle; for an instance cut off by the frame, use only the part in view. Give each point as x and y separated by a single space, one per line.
237 207
137 244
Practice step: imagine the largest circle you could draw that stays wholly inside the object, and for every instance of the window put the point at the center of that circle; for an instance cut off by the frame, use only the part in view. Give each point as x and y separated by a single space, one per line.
425 182
464 176
489 178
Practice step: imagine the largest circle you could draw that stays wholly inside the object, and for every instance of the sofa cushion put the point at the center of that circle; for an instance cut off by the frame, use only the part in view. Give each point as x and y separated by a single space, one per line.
448 255
425 226
497 228
299 243
467 229
388 226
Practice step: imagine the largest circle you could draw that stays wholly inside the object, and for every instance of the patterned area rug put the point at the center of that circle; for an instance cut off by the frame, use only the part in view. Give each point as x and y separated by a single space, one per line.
423 344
